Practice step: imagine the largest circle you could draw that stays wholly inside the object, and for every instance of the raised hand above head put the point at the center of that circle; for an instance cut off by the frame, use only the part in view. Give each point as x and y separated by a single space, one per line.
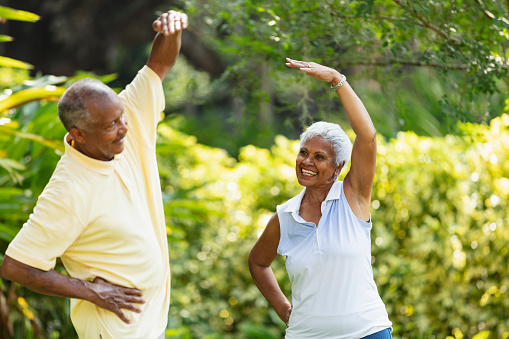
320 72
170 22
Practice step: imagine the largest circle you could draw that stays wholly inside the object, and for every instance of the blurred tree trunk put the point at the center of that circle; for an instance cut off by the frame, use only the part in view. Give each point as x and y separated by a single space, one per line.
266 103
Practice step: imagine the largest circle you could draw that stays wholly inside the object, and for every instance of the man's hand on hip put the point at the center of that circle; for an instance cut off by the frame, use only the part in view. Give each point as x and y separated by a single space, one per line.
114 298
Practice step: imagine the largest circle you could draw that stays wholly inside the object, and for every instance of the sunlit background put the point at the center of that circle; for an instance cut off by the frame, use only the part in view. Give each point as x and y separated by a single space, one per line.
433 76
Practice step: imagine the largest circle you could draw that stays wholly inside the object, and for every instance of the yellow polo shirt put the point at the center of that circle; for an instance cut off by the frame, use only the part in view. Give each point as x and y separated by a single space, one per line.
105 218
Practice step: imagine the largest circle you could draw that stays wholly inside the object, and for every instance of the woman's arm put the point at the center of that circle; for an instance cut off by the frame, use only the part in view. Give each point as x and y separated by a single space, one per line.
359 180
261 257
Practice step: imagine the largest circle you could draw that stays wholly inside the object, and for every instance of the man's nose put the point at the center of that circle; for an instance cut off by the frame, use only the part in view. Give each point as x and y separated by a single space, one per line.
123 125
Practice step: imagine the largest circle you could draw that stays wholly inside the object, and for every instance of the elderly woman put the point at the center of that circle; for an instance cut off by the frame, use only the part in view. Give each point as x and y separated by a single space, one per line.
324 232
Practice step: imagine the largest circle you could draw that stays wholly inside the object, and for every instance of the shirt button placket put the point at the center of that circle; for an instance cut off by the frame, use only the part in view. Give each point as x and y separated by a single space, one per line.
317 243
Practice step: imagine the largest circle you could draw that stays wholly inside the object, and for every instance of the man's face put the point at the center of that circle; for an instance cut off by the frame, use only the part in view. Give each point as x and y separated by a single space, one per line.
105 136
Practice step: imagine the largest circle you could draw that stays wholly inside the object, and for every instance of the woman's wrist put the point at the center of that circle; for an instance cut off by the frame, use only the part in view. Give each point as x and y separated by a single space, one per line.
285 312
339 84
336 78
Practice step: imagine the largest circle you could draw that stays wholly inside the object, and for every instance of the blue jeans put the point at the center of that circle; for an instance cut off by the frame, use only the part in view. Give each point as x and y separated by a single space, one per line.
383 334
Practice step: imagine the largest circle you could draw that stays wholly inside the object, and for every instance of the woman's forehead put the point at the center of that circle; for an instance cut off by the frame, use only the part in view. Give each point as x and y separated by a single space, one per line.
318 143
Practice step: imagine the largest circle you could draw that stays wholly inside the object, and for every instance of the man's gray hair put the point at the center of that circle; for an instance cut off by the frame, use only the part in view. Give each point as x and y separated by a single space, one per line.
334 134
72 107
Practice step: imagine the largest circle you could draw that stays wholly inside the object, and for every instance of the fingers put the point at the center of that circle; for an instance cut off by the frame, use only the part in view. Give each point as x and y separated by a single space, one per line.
132 291
130 295
170 22
114 298
299 64
122 316
127 304
125 290
318 71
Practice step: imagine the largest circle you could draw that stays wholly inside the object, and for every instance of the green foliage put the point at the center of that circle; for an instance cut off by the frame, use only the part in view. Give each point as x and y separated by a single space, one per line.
440 253
14 14
465 42
7 13
439 231
439 237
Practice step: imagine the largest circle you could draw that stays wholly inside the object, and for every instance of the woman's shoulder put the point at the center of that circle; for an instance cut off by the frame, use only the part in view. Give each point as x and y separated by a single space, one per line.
292 204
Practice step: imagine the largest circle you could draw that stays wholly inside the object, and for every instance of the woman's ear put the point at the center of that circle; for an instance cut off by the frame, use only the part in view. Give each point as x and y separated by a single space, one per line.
338 169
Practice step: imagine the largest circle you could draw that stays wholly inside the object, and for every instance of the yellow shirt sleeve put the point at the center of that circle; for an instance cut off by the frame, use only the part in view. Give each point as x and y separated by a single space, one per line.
50 230
143 101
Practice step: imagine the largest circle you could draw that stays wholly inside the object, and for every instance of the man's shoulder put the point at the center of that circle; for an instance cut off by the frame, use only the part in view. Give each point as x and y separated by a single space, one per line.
68 180
145 80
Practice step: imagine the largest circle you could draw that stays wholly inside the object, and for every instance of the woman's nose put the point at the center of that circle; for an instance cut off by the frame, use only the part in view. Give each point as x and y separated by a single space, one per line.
307 161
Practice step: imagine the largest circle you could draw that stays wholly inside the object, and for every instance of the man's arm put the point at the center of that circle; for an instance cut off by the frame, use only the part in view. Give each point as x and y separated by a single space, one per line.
99 292
166 46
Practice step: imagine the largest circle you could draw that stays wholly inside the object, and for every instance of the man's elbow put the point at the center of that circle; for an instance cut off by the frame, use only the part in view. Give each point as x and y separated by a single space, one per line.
6 268
13 270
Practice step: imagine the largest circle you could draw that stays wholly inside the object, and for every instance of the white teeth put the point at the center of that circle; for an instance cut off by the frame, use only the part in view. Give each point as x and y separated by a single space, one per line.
305 171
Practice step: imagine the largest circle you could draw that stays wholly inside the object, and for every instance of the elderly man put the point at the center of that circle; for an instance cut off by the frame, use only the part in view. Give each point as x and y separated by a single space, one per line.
102 211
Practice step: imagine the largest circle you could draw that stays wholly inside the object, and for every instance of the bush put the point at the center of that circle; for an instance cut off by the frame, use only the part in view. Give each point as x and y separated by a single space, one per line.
439 235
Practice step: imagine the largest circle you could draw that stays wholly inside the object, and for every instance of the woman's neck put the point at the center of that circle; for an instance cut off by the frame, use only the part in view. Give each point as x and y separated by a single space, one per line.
316 195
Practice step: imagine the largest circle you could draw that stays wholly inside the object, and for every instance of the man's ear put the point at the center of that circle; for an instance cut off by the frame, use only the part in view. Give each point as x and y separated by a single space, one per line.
78 135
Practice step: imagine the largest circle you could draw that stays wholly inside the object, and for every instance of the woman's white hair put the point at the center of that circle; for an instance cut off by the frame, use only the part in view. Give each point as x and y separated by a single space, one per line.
334 134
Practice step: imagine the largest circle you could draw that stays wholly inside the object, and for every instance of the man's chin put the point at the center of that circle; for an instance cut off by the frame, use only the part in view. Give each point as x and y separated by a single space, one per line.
117 149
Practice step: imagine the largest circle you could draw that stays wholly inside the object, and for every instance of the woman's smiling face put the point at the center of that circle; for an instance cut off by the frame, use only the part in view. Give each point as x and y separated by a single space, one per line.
315 165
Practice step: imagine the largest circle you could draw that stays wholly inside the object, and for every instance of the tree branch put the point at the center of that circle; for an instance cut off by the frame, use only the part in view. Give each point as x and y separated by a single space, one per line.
406 63
489 14
413 63
388 18
425 23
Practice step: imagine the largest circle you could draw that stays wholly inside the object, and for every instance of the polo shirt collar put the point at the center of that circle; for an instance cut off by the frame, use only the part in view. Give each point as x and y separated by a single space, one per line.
98 166
294 203
335 191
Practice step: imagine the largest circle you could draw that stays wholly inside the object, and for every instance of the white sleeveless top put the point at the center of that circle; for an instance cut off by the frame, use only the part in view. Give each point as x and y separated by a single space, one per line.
333 291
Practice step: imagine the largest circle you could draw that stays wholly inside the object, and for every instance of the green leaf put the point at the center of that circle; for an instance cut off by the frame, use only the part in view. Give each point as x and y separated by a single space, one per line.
11 164
15 14
34 137
107 78
9 62
25 96
4 38
44 81
482 335
8 233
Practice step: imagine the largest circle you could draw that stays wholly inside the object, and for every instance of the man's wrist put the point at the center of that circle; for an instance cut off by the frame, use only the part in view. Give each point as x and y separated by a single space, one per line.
89 292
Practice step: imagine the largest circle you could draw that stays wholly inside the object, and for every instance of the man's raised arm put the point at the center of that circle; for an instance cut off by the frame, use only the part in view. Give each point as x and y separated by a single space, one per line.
166 46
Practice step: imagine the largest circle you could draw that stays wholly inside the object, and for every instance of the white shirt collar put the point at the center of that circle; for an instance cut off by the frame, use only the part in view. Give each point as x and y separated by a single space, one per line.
294 203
